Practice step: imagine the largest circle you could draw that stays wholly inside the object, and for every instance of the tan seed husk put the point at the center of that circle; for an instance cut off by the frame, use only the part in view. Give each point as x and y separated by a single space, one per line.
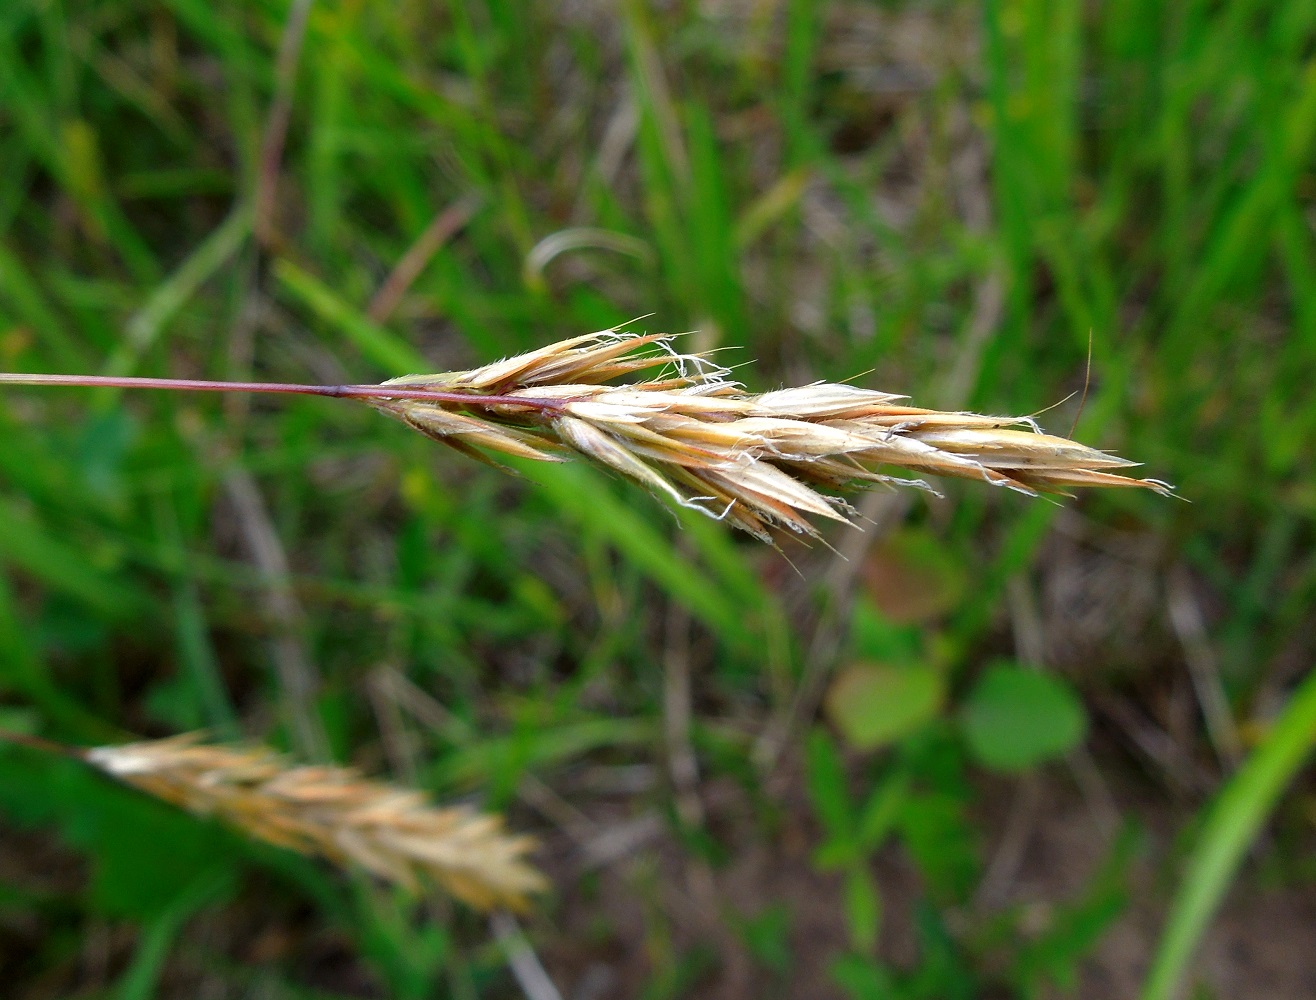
755 460
336 814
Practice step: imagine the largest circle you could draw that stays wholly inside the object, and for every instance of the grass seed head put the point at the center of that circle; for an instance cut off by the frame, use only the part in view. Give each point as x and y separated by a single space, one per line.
689 433
336 814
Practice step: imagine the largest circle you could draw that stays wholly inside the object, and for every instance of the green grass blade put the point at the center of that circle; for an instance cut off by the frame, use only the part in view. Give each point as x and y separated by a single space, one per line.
197 656
140 980
24 300
381 347
21 671
1235 817
62 566
582 495
168 299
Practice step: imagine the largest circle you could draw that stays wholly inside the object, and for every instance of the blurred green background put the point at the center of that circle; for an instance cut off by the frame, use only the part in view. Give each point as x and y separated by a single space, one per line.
969 753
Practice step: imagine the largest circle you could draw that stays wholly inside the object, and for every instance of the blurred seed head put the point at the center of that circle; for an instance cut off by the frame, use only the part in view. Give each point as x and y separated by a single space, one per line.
336 814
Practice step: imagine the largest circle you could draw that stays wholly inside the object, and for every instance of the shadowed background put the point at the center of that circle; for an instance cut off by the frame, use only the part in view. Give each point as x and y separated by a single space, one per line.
960 754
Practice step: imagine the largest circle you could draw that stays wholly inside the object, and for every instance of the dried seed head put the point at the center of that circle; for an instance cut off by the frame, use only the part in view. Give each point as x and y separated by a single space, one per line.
336 814
755 460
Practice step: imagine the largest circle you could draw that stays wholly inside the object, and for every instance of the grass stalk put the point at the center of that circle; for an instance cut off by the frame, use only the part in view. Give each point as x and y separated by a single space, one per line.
689 434
282 388
1232 824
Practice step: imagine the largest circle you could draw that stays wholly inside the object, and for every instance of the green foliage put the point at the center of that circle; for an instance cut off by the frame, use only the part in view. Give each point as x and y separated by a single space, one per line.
853 834
837 191
1041 948
111 824
1015 718
874 705
1231 824
942 971
767 936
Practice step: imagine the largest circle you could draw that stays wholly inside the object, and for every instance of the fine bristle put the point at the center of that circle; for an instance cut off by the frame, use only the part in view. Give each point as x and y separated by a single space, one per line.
754 460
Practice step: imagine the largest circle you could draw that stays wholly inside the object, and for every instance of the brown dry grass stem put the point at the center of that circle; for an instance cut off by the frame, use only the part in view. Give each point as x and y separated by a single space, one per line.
689 433
328 812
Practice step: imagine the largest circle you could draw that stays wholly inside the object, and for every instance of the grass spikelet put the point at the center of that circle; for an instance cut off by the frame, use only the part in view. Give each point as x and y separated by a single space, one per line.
336 814
754 460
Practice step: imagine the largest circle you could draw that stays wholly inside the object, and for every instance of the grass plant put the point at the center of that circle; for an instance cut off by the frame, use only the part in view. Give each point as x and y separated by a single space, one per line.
952 199
692 435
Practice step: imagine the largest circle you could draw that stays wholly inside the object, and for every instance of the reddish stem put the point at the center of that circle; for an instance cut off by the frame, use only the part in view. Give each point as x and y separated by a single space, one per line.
339 391
38 743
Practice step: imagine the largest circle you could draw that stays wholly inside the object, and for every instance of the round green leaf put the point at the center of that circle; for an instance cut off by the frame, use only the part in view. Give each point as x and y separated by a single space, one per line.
874 705
1015 718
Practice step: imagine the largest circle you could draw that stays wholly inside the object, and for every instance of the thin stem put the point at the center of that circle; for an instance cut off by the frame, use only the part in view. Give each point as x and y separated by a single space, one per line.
38 743
338 391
